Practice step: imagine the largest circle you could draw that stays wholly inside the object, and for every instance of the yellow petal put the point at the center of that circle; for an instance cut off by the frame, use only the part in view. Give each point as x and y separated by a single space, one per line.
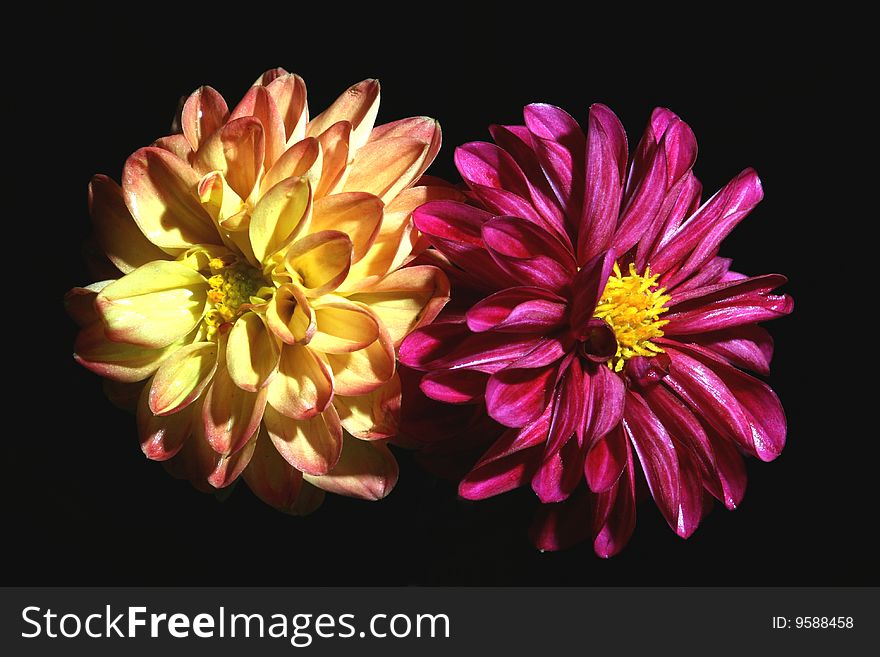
230 415
319 262
358 105
160 192
236 150
372 416
289 93
386 167
335 158
204 112
154 305
277 216
252 352
360 372
342 327
303 386
177 145
258 102
182 377
302 160
115 229
312 446
117 360
366 470
406 299
290 316
79 302
357 214
161 437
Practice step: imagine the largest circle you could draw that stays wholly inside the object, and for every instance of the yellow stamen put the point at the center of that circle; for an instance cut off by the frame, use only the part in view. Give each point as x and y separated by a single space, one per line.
232 286
632 306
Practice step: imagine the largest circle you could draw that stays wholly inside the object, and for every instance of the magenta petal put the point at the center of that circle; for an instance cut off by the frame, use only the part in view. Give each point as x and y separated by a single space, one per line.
614 516
454 386
500 476
504 202
606 460
605 171
604 394
559 526
545 352
587 288
748 347
515 396
482 163
669 466
559 474
698 238
518 309
560 146
715 270
679 203
515 440
528 253
567 420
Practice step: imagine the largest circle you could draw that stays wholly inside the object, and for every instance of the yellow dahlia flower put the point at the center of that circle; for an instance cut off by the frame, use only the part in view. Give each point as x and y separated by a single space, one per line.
263 300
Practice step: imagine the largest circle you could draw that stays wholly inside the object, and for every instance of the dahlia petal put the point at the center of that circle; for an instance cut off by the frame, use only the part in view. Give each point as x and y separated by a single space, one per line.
386 167
681 201
615 515
312 446
518 310
559 474
501 475
278 216
153 306
367 470
343 327
517 396
669 466
587 287
252 353
230 415
357 214
237 150
182 377
454 387
560 145
160 192
302 160
161 437
528 253
288 90
697 240
258 103
228 468
335 158
303 386
319 261
359 105
748 347
487 165
360 372
569 403
605 400
606 460
715 270
290 316
118 361
373 416
559 526
423 128
643 200
79 302
271 478
406 299
544 352
605 169
204 112
503 202
176 145
115 229
765 435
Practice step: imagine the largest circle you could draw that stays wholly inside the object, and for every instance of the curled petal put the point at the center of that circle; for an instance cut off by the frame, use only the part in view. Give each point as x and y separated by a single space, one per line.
454 387
604 392
302 160
362 371
79 302
288 90
373 416
366 470
357 214
203 114
606 460
290 315
236 150
153 306
161 437
312 446
343 327
518 309
319 262
182 377
258 102
252 353
516 397
303 386
359 105
278 216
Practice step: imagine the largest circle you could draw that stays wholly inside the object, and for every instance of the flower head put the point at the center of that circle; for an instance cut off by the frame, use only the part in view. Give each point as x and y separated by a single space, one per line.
605 334
262 298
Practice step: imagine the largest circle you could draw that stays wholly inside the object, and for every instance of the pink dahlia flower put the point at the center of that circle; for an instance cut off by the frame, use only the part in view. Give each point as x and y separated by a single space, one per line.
604 333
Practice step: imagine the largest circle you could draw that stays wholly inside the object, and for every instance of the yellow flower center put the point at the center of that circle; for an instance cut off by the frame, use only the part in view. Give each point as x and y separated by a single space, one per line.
632 305
232 287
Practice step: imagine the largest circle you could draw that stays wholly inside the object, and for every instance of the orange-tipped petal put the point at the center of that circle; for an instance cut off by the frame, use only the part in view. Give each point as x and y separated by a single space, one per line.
360 372
289 93
343 327
182 377
319 262
79 302
236 150
230 415
358 105
366 470
204 113
161 437
153 306
228 468
115 229
252 353
290 316
257 102
406 299
303 386
271 478
116 360
312 446
303 159
357 214
160 191
335 154
279 216
177 145
373 416
386 167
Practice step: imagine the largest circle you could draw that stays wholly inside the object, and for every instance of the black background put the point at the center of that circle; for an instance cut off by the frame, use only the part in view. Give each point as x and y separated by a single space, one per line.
87 508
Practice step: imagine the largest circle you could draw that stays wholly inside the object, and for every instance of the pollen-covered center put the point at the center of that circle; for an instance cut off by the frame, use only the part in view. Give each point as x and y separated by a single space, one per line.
233 287
632 305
